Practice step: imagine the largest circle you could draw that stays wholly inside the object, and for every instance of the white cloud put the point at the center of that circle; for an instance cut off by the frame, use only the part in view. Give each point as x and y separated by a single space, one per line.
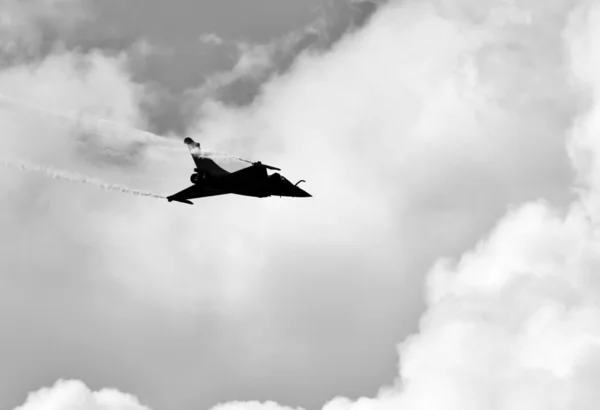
75 395
211 38
74 85
413 134
410 138
515 322
253 405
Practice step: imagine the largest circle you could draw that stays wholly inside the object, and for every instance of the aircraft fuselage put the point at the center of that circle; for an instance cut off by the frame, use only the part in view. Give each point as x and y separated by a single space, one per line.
253 185
209 179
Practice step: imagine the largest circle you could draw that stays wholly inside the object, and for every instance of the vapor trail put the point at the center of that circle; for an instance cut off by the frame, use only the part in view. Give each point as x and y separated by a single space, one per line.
73 177
91 122
104 127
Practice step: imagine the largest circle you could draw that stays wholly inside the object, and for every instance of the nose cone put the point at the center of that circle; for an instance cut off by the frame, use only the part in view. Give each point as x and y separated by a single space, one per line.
299 192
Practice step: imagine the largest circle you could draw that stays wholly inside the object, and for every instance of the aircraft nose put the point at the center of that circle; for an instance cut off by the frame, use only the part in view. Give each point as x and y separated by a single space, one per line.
302 193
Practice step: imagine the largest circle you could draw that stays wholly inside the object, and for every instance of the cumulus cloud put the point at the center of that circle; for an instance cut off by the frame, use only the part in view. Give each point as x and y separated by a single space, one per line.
46 109
230 61
253 405
256 63
414 135
514 322
45 254
211 38
75 395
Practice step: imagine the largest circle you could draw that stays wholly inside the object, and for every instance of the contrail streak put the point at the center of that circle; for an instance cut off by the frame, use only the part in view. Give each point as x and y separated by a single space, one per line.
88 121
106 127
73 178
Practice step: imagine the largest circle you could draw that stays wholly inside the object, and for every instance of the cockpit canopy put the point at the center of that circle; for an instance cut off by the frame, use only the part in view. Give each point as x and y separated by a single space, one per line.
278 177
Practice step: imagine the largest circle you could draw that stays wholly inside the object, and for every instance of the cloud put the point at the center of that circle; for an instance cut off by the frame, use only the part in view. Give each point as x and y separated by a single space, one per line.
257 62
211 38
514 322
414 134
229 62
75 395
27 26
45 107
252 405
45 265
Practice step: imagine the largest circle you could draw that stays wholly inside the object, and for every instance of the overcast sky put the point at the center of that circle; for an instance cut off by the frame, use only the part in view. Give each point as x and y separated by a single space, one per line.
447 259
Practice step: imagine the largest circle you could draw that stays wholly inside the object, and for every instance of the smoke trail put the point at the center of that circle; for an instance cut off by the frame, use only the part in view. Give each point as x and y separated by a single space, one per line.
212 154
103 126
73 178
202 153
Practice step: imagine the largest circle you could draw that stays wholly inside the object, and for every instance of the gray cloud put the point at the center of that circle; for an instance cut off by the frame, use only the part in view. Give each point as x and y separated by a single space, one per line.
30 29
158 37
232 68
258 62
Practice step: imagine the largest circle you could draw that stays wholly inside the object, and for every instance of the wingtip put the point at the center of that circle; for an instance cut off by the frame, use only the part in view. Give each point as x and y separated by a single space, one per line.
185 201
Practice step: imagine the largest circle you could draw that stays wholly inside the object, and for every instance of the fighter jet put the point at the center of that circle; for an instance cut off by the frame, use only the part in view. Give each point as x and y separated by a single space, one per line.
210 179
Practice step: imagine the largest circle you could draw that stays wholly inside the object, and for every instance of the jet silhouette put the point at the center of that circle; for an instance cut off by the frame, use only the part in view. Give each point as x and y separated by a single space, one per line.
209 179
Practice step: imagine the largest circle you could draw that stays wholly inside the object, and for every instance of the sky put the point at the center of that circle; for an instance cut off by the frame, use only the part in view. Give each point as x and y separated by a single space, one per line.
447 259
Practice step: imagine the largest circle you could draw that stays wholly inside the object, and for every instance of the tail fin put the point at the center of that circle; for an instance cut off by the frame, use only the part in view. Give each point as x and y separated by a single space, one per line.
203 164
193 146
